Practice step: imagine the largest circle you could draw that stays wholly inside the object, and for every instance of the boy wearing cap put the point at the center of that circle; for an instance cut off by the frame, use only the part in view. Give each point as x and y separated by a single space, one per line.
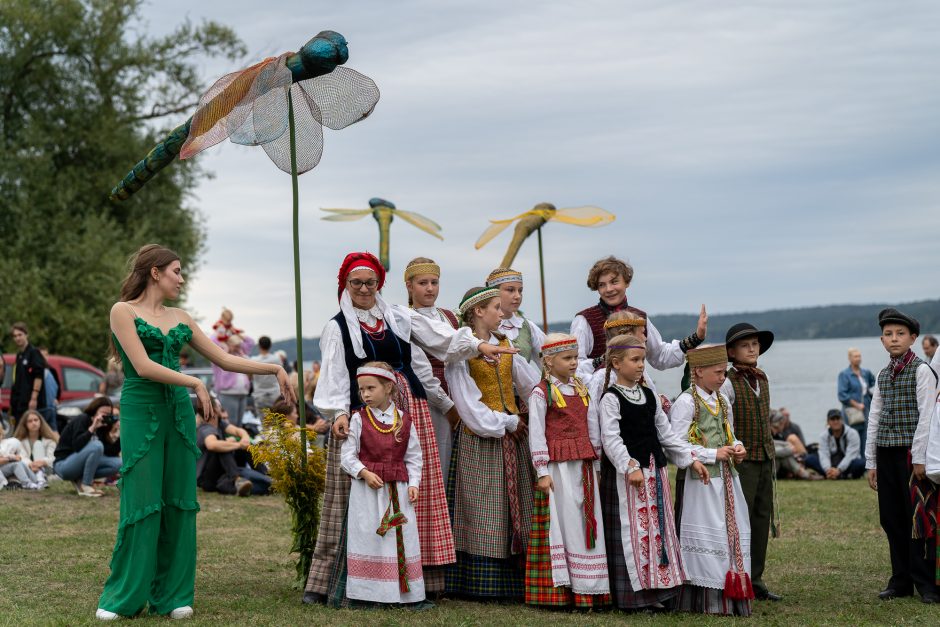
748 390
895 456
840 454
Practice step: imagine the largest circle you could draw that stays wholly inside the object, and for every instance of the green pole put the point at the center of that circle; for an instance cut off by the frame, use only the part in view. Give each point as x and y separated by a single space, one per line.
301 405
542 276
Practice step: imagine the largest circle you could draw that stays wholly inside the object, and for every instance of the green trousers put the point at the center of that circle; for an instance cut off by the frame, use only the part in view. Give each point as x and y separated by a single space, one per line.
757 483
154 558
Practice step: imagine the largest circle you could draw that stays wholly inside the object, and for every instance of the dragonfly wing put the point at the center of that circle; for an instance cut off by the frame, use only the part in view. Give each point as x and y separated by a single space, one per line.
492 231
344 96
309 142
265 118
425 224
584 216
210 125
345 215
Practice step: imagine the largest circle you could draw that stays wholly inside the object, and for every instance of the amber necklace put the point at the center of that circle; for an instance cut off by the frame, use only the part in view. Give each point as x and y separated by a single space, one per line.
376 424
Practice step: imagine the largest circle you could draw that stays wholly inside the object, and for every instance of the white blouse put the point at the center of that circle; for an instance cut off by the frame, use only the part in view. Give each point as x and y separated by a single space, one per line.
43 449
683 412
659 354
538 407
676 450
512 326
483 421
349 454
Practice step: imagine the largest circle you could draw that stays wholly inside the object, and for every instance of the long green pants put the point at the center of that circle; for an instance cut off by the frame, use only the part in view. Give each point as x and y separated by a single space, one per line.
154 558
757 483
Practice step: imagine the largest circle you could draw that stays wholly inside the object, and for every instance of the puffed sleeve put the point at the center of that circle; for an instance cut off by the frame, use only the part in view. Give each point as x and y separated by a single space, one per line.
437 398
874 417
467 398
683 410
524 375
538 445
727 388
926 392
413 460
349 453
614 447
594 430
659 354
331 397
438 338
676 449
582 331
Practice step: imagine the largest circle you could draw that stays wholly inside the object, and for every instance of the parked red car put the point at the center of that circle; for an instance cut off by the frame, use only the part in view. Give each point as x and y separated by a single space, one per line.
78 378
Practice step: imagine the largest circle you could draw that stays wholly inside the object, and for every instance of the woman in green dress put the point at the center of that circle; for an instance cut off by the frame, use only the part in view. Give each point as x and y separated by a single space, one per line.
154 559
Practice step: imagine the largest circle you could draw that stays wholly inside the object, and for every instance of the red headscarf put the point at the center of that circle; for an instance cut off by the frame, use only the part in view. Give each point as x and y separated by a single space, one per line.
353 260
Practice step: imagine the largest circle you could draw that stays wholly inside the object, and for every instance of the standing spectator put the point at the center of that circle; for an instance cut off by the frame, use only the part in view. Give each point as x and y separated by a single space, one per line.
88 448
855 390
930 350
283 357
28 375
839 454
232 387
266 388
37 442
113 379
53 392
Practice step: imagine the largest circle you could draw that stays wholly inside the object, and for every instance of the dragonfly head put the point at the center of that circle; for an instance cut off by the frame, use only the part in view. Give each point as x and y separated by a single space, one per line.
381 202
544 210
319 56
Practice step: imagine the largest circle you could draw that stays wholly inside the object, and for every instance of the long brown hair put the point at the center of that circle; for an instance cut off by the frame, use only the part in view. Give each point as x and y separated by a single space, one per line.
149 256
45 431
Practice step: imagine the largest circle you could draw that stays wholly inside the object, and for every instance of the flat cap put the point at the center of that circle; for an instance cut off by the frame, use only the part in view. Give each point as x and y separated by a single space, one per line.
893 316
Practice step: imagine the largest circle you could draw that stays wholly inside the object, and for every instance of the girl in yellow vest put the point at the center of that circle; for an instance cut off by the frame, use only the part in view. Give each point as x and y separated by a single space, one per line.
492 473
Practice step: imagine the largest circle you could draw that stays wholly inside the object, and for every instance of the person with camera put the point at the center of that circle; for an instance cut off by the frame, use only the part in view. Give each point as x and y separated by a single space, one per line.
88 447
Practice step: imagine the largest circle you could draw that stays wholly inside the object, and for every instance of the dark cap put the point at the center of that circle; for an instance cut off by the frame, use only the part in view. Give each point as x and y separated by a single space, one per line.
745 329
893 316
834 413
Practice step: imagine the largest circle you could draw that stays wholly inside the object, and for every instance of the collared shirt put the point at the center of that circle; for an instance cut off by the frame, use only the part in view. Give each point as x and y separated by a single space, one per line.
369 316
684 411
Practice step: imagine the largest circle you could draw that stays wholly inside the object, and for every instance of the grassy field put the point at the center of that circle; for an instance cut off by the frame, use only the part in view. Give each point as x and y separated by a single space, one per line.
829 565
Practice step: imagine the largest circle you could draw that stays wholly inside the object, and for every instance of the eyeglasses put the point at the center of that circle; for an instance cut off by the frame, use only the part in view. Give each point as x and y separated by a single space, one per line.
357 283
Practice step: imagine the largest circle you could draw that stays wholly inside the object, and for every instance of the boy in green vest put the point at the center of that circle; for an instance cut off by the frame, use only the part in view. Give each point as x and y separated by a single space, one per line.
748 390
895 456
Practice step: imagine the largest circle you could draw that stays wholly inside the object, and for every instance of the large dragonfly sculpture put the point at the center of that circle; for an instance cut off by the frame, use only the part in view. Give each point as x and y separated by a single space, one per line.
531 222
384 212
280 104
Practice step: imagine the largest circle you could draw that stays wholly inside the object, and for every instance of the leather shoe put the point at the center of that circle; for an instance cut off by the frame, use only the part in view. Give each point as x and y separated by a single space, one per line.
766 595
893 593
930 597
313 598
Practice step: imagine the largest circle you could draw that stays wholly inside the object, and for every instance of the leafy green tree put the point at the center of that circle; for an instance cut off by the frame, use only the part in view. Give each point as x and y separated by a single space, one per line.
83 96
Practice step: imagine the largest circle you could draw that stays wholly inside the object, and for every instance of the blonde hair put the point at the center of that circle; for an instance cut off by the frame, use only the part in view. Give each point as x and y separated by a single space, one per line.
617 349
392 392
615 329
607 265
553 338
45 431
414 262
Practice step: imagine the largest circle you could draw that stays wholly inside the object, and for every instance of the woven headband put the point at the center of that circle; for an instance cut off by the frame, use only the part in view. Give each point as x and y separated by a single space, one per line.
559 347
422 268
624 322
476 298
369 268
498 278
372 371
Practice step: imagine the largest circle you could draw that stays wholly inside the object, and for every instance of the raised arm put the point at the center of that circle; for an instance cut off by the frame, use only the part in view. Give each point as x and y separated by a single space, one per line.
660 354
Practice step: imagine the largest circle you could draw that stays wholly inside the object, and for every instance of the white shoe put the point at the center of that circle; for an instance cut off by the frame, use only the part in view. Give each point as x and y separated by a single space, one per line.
106 615
182 612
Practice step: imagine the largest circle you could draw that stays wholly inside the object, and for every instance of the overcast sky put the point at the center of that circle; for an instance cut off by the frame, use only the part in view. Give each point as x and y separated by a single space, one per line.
757 154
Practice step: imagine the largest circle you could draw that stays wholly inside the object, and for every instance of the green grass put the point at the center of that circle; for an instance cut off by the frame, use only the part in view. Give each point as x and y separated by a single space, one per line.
829 565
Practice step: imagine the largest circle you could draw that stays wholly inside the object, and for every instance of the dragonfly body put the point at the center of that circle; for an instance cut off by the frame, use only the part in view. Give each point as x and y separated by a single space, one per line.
319 56
526 226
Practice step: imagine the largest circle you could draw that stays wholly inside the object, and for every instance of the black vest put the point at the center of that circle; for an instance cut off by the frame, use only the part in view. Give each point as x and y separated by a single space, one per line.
638 428
389 349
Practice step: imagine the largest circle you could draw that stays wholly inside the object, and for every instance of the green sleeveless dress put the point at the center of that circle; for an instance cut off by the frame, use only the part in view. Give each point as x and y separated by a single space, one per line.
154 559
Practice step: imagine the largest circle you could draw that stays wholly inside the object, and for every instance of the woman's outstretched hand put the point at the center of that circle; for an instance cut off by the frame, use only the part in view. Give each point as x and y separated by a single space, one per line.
287 390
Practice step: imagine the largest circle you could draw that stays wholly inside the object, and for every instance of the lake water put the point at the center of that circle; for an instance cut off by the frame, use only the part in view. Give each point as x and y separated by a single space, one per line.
803 375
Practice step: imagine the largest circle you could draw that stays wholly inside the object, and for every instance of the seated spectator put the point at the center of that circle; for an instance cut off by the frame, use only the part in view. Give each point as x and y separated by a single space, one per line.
12 466
789 447
218 469
37 443
113 379
89 447
317 427
839 454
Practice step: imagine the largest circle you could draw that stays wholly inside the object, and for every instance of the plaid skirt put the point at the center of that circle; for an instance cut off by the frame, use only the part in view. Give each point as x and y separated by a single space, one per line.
482 524
539 584
624 596
478 576
332 530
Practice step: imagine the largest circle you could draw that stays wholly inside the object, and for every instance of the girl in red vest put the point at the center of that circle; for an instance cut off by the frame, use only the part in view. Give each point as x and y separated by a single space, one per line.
566 563
383 456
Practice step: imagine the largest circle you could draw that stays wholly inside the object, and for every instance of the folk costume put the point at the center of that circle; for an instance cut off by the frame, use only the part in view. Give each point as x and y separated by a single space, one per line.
714 530
898 432
748 391
349 340
491 473
154 560
442 429
524 334
566 563
383 554
642 545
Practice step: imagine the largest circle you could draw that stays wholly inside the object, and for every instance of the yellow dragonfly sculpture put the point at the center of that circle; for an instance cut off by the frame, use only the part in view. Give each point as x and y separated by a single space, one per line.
384 212
532 221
